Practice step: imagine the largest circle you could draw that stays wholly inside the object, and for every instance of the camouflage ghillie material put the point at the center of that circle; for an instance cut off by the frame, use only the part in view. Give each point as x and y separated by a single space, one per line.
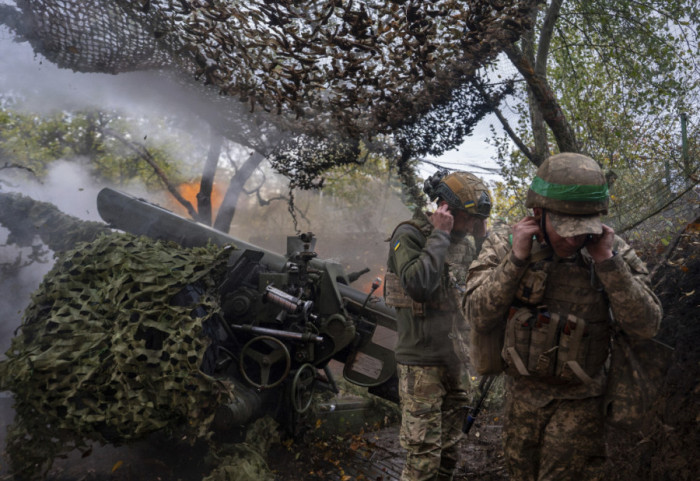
57 230
563 440
265 60
431 421
104 354
246 461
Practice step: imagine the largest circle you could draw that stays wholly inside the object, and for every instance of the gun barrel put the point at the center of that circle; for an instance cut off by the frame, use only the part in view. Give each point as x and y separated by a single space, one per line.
141 217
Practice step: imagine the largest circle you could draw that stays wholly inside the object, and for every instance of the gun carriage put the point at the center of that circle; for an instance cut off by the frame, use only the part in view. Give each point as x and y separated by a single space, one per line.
285 317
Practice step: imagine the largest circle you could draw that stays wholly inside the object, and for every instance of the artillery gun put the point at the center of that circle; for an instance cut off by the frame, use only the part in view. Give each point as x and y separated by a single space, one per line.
285 317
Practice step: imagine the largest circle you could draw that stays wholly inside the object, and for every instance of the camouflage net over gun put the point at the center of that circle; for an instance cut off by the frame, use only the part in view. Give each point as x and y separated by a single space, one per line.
104 355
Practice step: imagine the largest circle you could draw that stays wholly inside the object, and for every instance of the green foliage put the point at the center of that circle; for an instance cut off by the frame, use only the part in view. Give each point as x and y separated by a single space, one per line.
516 171
622 72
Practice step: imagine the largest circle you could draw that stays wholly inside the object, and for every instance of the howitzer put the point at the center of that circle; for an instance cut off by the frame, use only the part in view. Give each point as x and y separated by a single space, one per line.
284 316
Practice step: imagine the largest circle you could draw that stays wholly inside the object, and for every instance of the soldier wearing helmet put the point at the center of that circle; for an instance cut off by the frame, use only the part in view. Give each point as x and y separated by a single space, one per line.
428 260
552 288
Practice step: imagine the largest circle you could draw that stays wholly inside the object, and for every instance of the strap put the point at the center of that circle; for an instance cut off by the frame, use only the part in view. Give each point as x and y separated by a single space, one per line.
579 372
517 361
541 254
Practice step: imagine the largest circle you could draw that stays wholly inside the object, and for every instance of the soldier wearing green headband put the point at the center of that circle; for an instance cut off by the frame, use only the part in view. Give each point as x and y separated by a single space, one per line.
553 286
426 273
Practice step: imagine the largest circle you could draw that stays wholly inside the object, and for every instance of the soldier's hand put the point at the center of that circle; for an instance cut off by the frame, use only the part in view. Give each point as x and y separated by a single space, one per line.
523 232
442 219
600 246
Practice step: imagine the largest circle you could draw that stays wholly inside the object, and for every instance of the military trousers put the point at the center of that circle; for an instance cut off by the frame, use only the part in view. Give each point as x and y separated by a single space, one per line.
564 440
433 406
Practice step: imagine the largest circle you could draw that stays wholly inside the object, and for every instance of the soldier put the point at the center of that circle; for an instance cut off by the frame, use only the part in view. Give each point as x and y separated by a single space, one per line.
553 287
426 272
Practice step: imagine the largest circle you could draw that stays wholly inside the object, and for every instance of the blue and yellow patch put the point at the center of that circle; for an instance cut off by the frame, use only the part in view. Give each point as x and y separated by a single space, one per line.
397 245
470 204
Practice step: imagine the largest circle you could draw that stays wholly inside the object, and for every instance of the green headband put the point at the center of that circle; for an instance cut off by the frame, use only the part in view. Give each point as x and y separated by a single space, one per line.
573 192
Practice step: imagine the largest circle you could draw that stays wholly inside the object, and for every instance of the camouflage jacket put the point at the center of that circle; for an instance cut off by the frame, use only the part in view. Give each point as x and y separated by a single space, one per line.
432 272
494 279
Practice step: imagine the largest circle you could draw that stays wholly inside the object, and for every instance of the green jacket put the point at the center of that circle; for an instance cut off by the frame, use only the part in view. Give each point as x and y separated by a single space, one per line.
431 270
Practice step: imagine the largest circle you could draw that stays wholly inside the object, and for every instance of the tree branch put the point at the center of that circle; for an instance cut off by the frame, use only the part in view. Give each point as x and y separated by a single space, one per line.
228 205
143 152
207 183
546 100
506 125
545 39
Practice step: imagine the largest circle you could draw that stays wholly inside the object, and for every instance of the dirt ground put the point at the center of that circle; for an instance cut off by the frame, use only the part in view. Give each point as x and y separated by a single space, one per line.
376 455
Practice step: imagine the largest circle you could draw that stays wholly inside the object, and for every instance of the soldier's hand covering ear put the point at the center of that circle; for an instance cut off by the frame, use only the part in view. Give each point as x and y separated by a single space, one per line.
600 246
442 218
523 232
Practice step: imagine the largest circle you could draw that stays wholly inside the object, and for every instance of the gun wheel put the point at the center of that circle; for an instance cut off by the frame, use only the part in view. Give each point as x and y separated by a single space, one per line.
265 362
303 387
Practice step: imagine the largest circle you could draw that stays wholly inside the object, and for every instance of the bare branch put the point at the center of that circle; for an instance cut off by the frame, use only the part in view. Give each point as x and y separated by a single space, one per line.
506 126
143 152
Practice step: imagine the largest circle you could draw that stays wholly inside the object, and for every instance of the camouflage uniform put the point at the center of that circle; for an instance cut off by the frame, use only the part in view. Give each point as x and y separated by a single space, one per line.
554 426
431 347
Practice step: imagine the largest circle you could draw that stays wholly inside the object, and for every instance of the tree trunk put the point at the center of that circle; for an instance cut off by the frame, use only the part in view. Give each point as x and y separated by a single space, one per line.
546 100
228 205
207 183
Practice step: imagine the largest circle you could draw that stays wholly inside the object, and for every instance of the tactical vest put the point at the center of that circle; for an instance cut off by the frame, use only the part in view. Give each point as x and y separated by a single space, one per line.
559 327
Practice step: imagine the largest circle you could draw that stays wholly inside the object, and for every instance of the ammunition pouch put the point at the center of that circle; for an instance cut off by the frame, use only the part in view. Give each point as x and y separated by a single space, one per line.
558 349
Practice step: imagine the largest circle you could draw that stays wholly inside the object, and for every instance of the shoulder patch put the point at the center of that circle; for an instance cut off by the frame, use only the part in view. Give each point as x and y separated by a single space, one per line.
396 245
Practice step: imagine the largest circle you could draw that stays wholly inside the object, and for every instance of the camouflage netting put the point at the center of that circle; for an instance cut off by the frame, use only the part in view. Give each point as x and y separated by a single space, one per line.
247 461
57 230
317 66
103 355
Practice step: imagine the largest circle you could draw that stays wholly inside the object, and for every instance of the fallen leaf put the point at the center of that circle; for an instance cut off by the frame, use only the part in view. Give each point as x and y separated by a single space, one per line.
117 465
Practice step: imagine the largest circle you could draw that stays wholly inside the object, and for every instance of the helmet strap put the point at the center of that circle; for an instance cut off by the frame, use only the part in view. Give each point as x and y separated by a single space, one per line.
543 227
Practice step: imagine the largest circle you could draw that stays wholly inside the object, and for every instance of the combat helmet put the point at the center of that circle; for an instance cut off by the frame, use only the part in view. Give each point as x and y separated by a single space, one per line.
461 190
571 184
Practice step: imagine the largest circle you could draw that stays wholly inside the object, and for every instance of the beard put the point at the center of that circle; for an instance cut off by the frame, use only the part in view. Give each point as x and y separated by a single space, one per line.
457 235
